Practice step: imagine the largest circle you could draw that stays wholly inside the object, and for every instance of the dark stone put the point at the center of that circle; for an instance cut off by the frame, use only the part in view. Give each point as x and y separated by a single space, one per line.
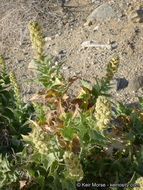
120 83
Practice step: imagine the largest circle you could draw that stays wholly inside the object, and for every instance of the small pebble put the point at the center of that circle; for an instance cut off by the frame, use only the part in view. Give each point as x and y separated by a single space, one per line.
48 39
65 67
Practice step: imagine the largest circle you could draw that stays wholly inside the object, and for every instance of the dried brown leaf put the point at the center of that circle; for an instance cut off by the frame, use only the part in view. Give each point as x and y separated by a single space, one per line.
60 109
75 144
72 79
75 111
43 91
64 144
38 98
122 120
52 93
76 101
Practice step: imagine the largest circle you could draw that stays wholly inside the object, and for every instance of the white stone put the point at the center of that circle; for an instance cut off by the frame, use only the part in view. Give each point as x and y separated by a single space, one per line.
92 43
56 63
96 28
95 1
48 38
65 67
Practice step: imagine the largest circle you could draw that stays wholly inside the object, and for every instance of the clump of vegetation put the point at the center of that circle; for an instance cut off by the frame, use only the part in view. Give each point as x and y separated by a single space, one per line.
58 140
14 113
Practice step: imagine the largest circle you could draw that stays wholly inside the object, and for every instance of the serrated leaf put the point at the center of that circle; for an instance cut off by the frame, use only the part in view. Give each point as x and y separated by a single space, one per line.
68 132
66 117
23 152
47 160
26 138
53 167
97 137
31 172
121 108
36 157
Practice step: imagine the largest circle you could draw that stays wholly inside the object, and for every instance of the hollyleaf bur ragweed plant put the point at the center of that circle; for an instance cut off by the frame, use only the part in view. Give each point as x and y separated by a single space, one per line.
76 139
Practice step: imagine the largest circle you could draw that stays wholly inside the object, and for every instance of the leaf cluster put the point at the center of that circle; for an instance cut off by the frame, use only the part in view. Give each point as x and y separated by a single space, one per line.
13 120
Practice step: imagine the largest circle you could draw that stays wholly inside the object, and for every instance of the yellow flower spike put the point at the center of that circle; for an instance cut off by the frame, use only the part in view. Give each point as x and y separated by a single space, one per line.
103 112
139 181
41 140
73 165
16 88
37 39
112 68
2 62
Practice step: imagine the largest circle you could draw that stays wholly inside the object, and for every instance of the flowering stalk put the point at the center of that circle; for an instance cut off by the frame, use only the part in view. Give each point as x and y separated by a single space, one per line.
73 165
41 140
103 112
16 88
37 39
2 63
112 68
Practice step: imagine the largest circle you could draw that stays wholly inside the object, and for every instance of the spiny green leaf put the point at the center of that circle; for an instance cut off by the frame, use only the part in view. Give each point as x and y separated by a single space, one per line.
68 132
47 160
121 108
36 157
97 137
